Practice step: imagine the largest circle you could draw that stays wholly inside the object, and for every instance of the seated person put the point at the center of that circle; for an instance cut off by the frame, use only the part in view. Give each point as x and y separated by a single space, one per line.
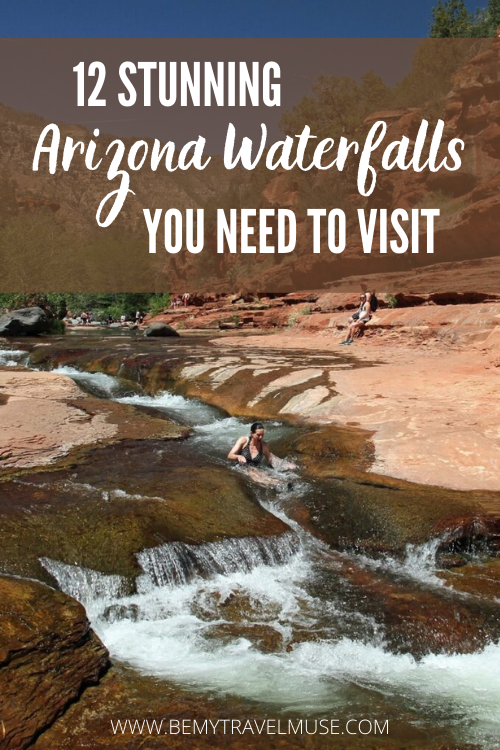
355 316
359 319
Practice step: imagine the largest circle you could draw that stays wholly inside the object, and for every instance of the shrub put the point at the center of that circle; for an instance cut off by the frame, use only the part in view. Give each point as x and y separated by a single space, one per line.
158 303
391 300
57 327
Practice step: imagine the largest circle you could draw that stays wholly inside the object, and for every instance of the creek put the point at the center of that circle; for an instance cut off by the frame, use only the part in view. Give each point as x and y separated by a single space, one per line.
284 623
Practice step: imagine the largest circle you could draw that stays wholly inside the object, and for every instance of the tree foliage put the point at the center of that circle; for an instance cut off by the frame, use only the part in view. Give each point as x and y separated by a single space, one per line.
38 252
430 78
101 304
337 105
451 19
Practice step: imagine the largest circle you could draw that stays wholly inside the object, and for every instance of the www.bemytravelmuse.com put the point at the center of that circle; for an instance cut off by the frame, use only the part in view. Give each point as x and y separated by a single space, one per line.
155 727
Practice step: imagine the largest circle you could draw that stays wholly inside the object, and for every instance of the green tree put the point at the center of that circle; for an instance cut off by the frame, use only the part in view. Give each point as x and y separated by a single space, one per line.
487 20
451 19
338 105
429 80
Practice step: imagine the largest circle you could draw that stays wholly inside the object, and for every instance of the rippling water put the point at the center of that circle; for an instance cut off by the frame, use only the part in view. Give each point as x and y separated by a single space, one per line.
249 617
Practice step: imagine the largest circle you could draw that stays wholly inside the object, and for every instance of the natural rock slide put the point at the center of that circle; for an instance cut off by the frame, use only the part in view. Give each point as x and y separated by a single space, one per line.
429 422
144 547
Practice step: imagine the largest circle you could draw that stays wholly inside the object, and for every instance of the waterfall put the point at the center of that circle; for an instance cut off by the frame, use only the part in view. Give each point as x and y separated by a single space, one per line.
418 564
98 383
270 620
420 561
12 357
84 584
177 563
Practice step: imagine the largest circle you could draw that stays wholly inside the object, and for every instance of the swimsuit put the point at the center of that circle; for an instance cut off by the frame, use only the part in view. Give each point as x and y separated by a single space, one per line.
251 461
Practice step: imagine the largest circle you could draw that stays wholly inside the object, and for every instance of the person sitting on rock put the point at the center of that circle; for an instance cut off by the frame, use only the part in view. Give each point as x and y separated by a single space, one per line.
355 316
359 319
250 451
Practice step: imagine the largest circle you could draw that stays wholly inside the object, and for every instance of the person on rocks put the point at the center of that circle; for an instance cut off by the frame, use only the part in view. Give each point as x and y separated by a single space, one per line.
251 451
358 321
355 316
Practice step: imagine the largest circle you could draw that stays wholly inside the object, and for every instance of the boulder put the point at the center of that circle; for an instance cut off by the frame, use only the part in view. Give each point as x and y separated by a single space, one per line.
29 321
48 656
160 329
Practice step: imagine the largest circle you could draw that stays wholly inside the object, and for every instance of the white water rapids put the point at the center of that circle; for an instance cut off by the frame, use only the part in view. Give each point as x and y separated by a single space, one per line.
12 357
197 610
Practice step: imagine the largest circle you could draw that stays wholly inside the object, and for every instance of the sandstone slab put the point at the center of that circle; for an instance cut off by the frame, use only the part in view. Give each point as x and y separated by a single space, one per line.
48 655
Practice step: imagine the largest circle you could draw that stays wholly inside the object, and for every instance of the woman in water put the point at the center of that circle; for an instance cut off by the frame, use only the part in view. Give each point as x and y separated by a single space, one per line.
251 450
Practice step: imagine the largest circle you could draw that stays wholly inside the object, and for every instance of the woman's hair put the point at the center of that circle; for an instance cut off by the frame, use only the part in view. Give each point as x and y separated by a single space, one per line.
256 426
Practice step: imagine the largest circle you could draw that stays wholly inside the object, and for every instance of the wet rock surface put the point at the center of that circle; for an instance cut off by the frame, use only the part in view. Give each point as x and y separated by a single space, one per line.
479 578
48 655
45 415
356 509
360 508
415 619
364 586
122 694
99 514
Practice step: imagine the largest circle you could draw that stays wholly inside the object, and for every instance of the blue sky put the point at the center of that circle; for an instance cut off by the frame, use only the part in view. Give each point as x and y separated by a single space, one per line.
219 18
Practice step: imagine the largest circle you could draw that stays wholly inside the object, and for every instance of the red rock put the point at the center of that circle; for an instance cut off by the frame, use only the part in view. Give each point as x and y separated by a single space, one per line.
490 140
281 192
48 655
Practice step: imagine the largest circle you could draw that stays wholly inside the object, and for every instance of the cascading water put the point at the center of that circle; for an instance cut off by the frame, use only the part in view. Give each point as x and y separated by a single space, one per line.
191 411
213 430
258 633
84 584
213 433
245 617
176 563
97 383
12 357
419 562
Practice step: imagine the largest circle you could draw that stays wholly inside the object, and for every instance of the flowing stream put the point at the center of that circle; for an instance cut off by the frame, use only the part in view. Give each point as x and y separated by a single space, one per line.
273 621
